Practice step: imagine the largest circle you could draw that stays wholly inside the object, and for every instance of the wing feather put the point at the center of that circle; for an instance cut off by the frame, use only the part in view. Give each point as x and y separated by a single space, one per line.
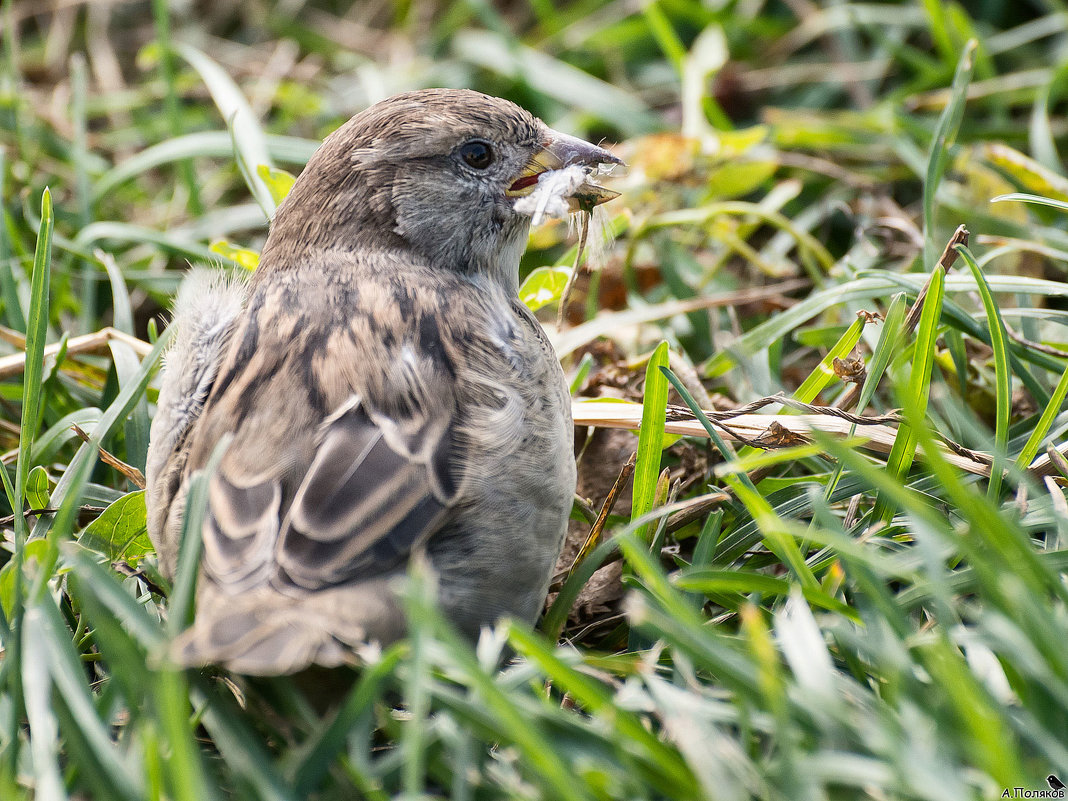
365 501
240 530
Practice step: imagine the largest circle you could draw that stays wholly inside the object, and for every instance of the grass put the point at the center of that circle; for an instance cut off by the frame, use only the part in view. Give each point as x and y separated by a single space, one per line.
816 620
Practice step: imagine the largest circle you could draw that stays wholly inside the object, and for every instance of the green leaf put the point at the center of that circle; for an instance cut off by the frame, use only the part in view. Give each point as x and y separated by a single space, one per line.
243 257
884 350
8 588
739 178
1023 197
121 532
40 714
824 372
250 142
203 144
918 391
36 334
999 340
37 488
1040 183
1034 441
278 181
543 286
945 133
650 435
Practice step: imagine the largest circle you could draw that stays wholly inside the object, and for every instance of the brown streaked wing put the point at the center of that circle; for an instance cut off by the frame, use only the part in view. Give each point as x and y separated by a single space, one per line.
240 530
366 501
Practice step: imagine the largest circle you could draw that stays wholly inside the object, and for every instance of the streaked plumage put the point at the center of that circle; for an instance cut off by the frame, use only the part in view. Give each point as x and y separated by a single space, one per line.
385 391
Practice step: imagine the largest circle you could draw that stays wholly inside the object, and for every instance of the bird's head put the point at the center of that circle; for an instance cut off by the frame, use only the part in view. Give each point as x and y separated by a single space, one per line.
436 172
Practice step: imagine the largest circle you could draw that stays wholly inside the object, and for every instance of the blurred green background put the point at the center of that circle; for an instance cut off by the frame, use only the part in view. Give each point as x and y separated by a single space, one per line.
813 621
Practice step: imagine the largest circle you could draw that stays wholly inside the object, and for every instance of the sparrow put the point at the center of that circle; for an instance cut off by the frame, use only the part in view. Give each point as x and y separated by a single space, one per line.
377 393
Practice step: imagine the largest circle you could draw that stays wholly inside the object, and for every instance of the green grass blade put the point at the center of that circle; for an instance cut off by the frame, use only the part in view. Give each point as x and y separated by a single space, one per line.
91 579
918 390
322 748
202 144
80 155
1038 433
664 34
126 366
774 531
1024 197
184 764
32 377
169 241
69 678
68 490
1002 376
422 591
596 699
552 624
36 335
884 352
168 72
180 610
250 142
240 745
651 433
820 377
529 739
14 316
945 133
44 731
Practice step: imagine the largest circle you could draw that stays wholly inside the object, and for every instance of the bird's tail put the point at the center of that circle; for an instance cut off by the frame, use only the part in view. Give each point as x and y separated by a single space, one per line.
267 633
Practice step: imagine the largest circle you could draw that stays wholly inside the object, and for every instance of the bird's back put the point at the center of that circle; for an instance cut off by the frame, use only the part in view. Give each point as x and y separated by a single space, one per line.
376 407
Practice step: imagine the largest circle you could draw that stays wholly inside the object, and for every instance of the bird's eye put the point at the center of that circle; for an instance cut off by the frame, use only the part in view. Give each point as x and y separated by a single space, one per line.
477 154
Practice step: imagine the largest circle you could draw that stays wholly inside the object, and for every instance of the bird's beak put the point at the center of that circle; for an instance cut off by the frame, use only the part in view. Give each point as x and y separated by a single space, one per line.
557 152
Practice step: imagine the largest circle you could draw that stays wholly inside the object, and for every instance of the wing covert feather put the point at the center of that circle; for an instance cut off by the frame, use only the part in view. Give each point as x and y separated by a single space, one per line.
365 501
376 484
